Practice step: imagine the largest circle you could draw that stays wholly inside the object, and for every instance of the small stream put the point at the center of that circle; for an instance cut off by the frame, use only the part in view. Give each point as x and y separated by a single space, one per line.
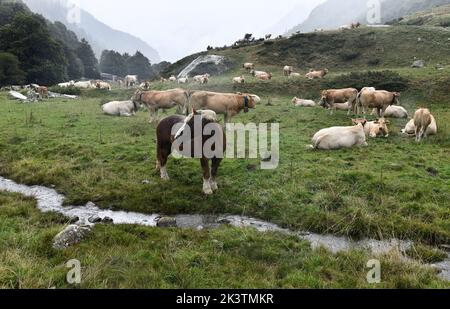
48 200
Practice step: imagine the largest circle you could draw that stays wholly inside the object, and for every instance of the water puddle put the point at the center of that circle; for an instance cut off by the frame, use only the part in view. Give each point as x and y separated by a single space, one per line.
48 200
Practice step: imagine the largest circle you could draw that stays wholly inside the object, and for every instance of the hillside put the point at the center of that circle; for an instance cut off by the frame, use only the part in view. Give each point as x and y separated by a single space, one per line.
345 12
375 48
436 17
98 34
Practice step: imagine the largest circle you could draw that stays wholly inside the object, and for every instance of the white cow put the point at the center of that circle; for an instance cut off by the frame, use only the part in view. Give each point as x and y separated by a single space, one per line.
66 85
293 74
410 128
303 103
131 80
239 80
172 78
103 85
339 137
183 80
121 108
394 111
84 85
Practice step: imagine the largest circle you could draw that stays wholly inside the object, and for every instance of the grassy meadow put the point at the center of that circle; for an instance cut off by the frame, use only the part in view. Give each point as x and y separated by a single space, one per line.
394 188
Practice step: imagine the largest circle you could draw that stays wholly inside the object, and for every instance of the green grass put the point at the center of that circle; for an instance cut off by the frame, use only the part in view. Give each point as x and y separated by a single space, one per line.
138 257
386 190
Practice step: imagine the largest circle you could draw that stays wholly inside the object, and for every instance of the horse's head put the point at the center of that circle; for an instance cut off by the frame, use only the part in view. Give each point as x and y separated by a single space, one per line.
202 117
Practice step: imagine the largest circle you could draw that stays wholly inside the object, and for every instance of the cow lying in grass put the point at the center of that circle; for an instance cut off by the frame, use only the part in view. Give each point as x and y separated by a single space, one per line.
340 137
121 108
377 128
303 103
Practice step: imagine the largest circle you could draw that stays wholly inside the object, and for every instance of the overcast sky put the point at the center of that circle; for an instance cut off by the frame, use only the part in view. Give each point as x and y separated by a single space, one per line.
177 28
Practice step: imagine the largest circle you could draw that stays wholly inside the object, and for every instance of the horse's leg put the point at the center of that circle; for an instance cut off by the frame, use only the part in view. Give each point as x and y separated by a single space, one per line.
206 177
163 153
214 169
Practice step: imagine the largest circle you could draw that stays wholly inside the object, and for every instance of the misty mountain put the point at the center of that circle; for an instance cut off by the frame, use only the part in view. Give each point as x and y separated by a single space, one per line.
98 34
335 13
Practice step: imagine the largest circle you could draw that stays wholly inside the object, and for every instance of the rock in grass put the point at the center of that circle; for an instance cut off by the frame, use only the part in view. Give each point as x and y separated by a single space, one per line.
166 222
70 236
418 64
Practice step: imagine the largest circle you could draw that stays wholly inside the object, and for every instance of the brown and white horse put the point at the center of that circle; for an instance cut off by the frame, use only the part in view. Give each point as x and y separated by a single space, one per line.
199 135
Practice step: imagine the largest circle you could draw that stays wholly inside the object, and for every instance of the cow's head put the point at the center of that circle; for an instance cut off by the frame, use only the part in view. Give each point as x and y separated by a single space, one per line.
137 97
294 100
381 128
396 98
324 100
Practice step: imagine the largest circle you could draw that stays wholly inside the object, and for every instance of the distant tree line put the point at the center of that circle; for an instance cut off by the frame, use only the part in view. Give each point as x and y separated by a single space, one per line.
34 50
118 64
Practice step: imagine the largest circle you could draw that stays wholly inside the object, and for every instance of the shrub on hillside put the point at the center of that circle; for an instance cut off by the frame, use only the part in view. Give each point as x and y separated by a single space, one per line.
383 80
69 91
374 62
349 55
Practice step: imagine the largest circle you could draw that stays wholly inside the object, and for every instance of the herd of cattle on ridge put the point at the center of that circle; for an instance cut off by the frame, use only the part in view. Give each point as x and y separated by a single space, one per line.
207 105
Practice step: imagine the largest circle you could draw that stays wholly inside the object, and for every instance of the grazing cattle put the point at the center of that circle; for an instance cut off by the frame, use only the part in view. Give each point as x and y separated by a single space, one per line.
66 85
410 128
84 85
317 74
121 108
239 80
131 80
287 70
43 92
268 36
374 129
394 111
355 25
145 85
379 99
295 74
332 96
248 66
175 128
339 137
227 104
172 78
156 100
102 85
422 121
183 80
303 103
202 79
163 80
261 75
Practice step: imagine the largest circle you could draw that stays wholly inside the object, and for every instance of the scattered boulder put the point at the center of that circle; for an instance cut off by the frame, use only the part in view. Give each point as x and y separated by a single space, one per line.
418 64
108 220
70 236
95 219
166 222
